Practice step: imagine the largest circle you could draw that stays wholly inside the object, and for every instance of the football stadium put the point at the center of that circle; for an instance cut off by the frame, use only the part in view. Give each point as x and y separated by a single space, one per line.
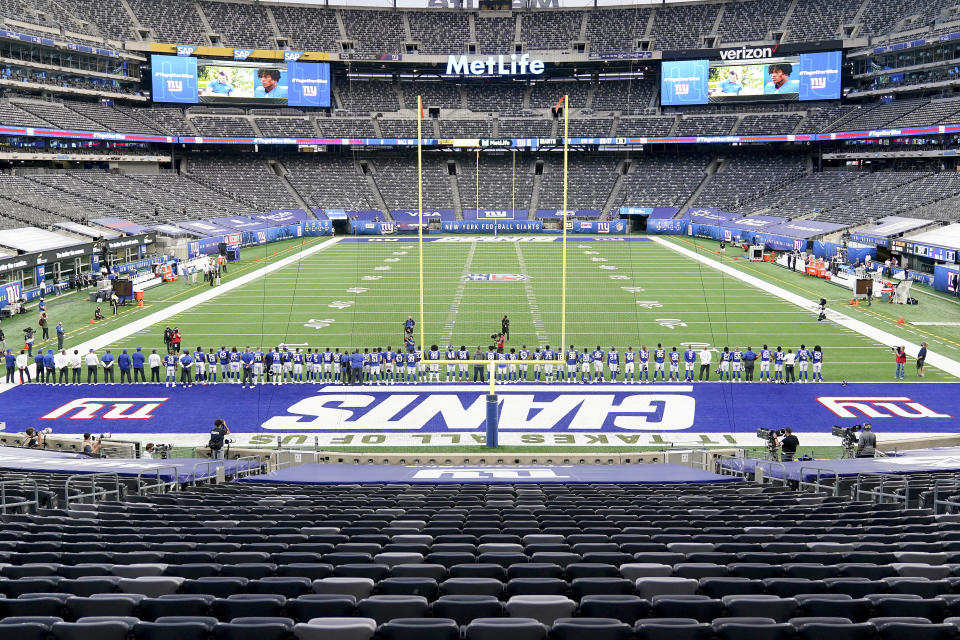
480 320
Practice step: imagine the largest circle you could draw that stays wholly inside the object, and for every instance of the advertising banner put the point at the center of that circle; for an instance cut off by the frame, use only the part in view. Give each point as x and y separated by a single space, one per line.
482 226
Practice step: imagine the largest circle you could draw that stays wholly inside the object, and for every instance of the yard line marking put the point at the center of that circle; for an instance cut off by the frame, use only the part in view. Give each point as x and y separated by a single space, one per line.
531 299
883 337
457 297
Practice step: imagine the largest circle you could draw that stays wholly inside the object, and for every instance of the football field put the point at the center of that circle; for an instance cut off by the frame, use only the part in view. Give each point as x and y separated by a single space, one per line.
619 293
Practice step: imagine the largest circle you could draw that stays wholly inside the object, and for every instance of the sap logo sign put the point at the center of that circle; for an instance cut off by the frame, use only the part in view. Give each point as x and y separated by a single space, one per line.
119 409
185 50
174 86
878 407
681 89
818 83
489 474
309 91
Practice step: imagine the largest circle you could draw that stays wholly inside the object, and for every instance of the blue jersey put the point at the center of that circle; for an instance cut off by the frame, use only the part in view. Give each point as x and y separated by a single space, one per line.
433 355
765 355
803 355
491 355
463 355
572 356
186 360
537 355
327 356
674 357
412 359
170 360
375 358
778 357
818 356
284 356
399 357
613 357
548 354
451 354
297 357
689 355
366 358
598 355
737 355
658 355
524 354
725 356
502 356
389 357
212 358
234 356
199 356
629 356
337 356
644 356
224 356
258 357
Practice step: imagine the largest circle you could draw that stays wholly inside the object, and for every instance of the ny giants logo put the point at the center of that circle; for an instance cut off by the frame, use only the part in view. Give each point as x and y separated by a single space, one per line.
486 474
818 83
119 409
681 89
878 407
309 91
174 86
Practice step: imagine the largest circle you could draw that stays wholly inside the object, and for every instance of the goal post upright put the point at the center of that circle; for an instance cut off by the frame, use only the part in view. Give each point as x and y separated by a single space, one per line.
563 240
420 211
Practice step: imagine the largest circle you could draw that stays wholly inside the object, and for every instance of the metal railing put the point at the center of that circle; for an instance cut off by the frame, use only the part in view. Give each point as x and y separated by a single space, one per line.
818 485
943 490
4 504
256 466
880 487
96 494
764 472
737 469
161 485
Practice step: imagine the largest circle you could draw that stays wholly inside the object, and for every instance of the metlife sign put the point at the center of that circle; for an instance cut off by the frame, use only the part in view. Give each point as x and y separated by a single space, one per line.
512 65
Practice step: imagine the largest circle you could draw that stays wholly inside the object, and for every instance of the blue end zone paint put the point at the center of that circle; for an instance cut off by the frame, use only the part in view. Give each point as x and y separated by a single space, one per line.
501 239
181 469
567 474
525 408
932 462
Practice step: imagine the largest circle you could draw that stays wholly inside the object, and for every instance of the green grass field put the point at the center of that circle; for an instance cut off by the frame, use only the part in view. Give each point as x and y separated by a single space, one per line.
357 294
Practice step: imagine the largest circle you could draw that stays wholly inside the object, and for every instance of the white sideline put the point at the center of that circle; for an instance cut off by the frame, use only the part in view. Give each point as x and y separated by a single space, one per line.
883 337
156 317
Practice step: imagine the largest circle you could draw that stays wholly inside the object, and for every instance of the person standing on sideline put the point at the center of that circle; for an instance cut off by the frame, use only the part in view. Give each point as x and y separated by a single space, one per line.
154 362
788 359
900 357
921 359
50 365
44 324
11 363
62 363
138 359
60 335
749 360
23 362
93 364
75 367
706 358
788 446
124 363
186 369
107 361
505 327
867 445
38 361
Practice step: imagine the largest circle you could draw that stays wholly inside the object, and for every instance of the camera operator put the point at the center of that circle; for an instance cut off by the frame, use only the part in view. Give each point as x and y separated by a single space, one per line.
867 445
217 437
90 446
147 453
788 446
34 438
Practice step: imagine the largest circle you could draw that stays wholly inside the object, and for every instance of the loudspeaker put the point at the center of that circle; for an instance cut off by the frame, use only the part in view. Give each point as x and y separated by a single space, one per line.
222 248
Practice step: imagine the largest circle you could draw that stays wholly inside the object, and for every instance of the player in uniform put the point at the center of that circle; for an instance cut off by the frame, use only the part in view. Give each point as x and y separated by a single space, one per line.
629 365
613 363
803 363
258 366
737 358
573 356
433 370
765 364
366 366
412 357
451 367
548 360
689 360
310 364
400 360
375 359
674 365
286 360
224 356
818 364
235 365
659 355
778 364
337 359
524 356
389 360
725 364
170 362
586 359
644 357
276 367
212 366
200 366
325 368
463 355
297 359
597 356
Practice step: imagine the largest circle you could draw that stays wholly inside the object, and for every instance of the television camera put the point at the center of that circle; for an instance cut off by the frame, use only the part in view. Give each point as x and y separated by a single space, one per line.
771 435
848 437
